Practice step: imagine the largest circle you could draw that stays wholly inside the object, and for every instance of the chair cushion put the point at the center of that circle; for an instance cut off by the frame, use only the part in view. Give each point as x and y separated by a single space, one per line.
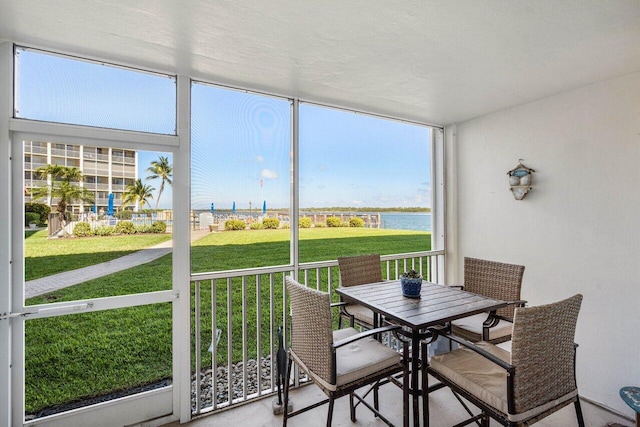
505 345
360 313
470 328
358 360
476 374
485 380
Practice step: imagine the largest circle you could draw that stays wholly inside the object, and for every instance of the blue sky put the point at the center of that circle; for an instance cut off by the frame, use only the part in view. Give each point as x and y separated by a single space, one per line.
241 153
240 141
350 159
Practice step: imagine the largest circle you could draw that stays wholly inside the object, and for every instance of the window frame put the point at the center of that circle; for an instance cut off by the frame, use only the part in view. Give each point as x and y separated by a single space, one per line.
179 145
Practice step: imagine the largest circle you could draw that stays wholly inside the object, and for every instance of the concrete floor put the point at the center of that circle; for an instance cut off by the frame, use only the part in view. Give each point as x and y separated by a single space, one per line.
444 410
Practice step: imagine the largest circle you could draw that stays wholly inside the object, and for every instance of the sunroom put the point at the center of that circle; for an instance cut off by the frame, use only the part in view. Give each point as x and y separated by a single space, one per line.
294 114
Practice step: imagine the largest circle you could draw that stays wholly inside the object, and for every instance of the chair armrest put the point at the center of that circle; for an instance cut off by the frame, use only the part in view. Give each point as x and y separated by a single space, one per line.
339 304
482 352
493 318
365 334
519 303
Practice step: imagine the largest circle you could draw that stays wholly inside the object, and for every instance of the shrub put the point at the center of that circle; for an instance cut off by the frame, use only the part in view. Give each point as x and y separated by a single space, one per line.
320 225
125 227
333 221
31 218
41 209
286 225
104 230
256 226
159 227
356 222
234 224
344 224
82 229
304 222
271 223
144 228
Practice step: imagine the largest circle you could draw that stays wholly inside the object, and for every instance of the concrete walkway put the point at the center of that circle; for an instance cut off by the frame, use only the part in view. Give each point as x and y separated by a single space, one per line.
51 283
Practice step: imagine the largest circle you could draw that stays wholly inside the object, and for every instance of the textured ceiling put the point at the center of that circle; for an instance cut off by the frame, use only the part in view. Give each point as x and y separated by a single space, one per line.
437 62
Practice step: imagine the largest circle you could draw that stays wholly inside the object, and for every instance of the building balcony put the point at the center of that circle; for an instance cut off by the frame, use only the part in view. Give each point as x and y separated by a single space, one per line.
35 149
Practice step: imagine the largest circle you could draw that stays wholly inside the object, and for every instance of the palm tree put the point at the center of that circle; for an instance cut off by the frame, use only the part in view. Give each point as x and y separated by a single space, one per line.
162 169
137 193
65 186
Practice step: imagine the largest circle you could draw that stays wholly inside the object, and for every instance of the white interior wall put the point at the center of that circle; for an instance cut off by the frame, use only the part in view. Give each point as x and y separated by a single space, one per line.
578 230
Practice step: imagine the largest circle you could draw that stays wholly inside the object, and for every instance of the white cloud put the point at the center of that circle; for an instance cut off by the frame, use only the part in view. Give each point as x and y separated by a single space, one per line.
269 174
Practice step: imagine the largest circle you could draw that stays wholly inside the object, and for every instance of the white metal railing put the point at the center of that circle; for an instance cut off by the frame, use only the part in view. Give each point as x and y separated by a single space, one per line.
234 362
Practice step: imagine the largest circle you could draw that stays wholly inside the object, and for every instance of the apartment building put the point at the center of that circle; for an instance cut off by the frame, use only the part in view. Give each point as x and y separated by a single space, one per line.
105 170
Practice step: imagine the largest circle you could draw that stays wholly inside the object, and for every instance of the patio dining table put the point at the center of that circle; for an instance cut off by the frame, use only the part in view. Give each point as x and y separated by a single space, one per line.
437 305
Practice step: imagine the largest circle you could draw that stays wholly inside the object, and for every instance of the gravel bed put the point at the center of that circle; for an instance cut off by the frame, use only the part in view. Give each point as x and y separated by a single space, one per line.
222 384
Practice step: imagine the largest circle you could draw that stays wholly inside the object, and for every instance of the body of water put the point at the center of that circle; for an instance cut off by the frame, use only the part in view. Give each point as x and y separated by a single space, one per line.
419 221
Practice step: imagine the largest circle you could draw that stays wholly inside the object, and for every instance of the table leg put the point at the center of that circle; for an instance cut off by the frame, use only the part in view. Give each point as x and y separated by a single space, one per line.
425 385
405 385
415 385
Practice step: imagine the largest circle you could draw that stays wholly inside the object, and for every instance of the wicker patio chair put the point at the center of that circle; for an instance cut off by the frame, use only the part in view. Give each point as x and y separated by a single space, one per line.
358 270
341 361
494 280
519 388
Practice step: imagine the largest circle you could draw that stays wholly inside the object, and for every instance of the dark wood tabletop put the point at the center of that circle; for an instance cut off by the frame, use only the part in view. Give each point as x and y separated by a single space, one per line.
437 303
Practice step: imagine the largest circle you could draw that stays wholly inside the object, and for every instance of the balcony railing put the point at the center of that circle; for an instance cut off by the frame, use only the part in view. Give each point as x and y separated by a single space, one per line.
35 149
234 361
35 183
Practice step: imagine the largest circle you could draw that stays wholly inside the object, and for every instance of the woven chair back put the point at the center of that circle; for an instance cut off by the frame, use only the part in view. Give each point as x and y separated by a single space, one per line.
494 280
311 328
360 269
543 352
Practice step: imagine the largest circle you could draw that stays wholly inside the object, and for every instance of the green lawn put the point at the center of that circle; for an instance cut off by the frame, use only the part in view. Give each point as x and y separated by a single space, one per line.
83 355
44 257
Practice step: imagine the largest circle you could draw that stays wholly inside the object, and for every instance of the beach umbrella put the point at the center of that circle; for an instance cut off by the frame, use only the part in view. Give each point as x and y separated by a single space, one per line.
110 206
264 207
212 208
233 209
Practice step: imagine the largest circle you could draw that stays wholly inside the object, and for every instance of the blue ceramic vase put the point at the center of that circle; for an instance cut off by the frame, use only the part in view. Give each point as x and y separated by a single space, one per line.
411 286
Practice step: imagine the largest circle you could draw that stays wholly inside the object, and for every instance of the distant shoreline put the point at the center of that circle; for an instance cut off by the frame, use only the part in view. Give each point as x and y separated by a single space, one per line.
367 209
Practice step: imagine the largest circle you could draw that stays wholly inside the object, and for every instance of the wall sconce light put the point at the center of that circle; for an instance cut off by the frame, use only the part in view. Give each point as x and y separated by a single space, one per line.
520 180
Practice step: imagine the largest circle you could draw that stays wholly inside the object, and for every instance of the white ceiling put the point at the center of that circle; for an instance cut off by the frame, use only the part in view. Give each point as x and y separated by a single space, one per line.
438 62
